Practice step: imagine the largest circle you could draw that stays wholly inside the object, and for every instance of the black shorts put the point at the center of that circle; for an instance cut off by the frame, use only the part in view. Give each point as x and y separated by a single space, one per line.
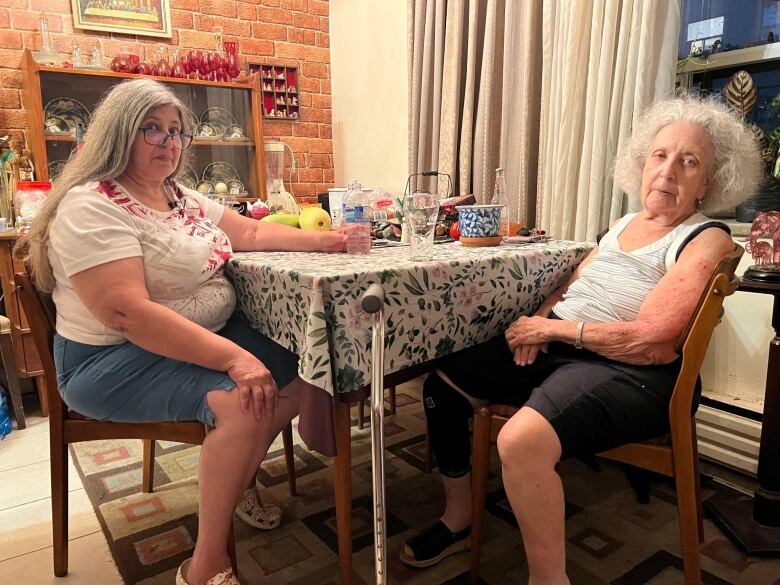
593 403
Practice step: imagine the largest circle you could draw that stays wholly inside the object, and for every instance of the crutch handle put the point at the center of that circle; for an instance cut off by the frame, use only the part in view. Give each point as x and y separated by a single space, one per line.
373 298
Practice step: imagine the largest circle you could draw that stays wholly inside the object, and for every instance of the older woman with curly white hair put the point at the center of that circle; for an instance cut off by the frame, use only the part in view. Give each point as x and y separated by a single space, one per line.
595 366
145 324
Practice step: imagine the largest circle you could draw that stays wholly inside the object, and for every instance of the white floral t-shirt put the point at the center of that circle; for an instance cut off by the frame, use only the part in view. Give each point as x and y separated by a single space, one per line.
184 253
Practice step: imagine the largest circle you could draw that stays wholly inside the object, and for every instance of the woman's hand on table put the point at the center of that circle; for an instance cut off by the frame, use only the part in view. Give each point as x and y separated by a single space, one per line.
255 385
333 240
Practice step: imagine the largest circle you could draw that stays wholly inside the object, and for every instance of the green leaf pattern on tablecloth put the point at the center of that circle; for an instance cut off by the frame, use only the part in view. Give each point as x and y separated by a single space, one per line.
310 302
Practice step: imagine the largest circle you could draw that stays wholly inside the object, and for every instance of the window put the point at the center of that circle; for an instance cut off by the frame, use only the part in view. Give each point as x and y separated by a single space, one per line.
725 25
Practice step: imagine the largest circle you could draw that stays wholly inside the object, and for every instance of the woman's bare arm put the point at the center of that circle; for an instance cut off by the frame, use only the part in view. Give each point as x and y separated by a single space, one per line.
651 337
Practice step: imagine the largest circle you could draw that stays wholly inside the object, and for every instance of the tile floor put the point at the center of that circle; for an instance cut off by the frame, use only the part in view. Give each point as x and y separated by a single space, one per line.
25 515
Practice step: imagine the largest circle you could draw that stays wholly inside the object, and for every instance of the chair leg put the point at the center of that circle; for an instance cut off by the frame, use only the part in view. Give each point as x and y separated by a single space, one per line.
687 506
147 483
59 501
479 471
361 414
697 476
289 458
392 399
15 392
43 396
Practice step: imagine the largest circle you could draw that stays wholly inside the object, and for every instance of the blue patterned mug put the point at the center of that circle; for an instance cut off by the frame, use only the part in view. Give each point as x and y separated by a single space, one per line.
479 221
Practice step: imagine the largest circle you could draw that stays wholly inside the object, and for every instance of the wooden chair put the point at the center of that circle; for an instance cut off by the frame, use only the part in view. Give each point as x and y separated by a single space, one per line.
9 366
67 427
674 455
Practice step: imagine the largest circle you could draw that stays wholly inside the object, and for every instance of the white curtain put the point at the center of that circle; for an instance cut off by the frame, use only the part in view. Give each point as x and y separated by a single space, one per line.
475 70
603 62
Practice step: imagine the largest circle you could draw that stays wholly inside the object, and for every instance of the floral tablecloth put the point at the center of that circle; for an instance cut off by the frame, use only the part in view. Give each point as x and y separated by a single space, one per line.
310 302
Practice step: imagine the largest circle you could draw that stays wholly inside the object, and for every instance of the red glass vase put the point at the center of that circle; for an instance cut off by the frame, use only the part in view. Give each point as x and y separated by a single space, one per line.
232 66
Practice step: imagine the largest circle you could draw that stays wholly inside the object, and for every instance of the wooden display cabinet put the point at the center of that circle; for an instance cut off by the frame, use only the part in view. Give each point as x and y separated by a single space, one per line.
210 101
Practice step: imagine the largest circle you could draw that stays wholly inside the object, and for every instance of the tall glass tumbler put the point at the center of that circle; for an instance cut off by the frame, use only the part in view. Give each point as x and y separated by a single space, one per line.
421 210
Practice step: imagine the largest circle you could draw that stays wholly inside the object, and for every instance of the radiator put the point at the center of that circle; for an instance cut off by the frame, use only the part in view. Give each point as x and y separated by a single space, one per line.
728 439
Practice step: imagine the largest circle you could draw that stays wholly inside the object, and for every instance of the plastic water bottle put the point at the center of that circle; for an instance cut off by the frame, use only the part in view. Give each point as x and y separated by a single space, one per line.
355 218
500 198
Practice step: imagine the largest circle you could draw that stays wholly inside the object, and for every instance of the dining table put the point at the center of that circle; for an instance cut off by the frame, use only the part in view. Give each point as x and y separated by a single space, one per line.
309 303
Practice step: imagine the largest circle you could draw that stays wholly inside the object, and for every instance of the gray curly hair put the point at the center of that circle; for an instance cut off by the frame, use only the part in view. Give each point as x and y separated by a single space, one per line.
737 167
105 154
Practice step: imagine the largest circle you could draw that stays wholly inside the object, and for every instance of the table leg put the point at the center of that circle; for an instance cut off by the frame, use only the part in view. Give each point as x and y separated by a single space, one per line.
754 525
343 487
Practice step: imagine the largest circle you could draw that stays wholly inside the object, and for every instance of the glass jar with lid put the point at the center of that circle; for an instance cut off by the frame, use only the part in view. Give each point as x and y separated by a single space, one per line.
28 199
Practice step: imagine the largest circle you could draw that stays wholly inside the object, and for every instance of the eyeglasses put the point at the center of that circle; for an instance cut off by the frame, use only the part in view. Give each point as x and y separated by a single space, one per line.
157 137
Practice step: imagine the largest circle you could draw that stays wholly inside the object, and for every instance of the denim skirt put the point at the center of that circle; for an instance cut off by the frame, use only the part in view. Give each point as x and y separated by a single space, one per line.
124 383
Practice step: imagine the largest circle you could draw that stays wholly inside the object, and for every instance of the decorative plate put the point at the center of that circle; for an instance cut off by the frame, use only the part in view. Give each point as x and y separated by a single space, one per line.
58 125
206 131
193 121
70 110
235 187
219 118
220 171
188 178
234 132
55 168
205 187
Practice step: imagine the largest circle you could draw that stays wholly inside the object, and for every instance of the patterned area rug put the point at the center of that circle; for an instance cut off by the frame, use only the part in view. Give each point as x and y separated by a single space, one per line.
611 538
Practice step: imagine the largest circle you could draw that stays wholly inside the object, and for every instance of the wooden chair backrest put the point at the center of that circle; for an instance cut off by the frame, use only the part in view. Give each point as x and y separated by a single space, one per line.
42 316
695 338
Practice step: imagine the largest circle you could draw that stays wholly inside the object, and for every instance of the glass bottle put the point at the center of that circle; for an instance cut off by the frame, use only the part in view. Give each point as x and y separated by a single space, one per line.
500 198
97 56
75 55
45 55
143 67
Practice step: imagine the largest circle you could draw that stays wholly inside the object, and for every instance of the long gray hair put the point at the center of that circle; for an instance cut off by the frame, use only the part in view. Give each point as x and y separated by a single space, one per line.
104 155
736 166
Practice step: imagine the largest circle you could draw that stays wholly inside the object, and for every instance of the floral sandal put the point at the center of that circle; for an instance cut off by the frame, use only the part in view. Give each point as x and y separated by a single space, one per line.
434 544
224 577
255 513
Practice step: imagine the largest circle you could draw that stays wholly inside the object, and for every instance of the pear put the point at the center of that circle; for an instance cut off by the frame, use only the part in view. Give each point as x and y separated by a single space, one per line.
314 218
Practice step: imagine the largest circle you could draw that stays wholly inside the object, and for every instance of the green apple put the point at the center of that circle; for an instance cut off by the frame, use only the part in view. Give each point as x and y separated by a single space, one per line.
314 218
282 217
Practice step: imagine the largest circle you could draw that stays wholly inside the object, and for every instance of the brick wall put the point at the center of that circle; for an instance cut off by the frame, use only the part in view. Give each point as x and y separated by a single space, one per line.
283 32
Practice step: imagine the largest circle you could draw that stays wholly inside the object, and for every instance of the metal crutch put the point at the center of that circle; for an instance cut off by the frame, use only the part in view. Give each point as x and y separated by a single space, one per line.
373 300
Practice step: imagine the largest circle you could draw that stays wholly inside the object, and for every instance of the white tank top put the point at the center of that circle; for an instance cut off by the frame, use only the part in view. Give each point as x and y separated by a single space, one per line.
615 284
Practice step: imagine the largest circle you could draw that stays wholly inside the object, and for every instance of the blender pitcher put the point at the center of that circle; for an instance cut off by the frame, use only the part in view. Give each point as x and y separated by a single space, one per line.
274 164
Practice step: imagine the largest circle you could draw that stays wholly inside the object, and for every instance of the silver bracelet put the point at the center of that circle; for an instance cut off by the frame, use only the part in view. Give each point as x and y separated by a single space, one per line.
578 337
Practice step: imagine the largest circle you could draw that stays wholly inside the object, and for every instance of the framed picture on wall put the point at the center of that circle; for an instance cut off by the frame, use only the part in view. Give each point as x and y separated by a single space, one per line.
133 17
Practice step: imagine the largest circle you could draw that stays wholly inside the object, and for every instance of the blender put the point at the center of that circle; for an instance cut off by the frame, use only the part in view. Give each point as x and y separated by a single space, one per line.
277 197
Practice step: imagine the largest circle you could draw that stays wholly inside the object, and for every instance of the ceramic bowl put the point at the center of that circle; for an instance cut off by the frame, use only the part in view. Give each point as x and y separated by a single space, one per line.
479 221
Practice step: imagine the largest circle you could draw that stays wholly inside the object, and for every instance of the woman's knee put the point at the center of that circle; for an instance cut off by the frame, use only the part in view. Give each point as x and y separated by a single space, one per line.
528 438
228 413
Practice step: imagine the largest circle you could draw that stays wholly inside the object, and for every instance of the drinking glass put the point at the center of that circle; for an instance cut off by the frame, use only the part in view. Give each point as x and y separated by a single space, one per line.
421 210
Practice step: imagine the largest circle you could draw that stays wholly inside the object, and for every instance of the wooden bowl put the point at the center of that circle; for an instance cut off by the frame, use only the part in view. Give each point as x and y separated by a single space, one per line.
481 242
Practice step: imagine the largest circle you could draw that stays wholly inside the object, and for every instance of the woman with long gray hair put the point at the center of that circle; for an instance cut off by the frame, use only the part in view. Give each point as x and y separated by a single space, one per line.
145 323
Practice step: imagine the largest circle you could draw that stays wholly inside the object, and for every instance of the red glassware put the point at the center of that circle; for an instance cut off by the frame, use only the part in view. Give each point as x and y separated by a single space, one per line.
195 58
122 62
143 67
232 67
214 59
161 66
177 69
